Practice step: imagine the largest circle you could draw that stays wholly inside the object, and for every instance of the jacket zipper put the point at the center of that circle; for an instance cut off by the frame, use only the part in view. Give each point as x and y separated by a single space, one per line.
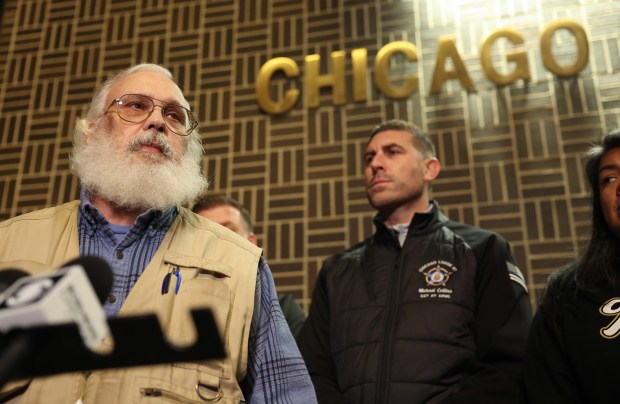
383 385
85 375
160 393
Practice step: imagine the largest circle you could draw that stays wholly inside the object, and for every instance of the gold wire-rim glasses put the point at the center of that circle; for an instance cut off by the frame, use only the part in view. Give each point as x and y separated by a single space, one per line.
137 108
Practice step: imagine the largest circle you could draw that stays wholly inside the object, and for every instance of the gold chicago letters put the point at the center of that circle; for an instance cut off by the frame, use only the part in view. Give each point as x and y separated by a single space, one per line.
446 49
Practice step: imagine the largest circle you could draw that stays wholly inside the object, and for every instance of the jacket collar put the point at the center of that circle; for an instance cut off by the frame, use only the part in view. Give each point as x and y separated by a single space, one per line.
421 223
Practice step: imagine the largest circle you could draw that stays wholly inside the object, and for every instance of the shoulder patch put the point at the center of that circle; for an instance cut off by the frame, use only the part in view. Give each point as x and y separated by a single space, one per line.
515 275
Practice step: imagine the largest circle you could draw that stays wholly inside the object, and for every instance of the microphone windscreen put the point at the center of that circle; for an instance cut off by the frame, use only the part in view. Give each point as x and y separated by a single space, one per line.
98 272
9 276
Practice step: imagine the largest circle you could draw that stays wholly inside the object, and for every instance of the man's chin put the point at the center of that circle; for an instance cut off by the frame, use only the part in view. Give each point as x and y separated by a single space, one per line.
378 200
142 157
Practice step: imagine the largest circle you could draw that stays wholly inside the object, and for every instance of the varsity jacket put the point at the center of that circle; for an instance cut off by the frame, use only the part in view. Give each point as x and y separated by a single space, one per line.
225 282
573 349
444 318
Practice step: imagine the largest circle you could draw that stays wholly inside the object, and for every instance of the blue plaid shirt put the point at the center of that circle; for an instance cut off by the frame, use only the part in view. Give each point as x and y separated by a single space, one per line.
276 370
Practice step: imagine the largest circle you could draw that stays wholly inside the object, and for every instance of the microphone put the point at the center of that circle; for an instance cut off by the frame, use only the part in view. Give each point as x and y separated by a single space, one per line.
46 327
98 272
73 294
9 276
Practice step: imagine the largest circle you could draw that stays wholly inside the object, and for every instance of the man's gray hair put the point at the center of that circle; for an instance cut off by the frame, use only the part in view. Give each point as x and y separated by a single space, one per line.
98 103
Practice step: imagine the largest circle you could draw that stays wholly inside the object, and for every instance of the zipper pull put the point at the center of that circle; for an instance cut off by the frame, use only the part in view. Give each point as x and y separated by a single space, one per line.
150 392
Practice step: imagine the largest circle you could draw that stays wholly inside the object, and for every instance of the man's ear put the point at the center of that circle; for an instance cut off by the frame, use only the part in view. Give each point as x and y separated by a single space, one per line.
432 168
88 133
252 237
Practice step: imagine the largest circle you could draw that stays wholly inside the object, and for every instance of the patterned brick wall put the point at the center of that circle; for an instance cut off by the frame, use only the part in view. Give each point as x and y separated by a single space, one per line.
511 155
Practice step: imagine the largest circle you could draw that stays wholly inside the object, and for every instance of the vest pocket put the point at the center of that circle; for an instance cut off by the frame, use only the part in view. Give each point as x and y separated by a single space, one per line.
205 284
207 389
193 294
199 264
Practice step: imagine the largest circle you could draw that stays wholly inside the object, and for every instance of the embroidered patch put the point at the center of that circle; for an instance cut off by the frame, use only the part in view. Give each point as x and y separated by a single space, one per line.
436 275
611 308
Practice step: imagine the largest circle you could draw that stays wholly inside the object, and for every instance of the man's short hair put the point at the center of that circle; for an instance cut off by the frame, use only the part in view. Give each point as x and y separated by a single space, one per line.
206 202
421 141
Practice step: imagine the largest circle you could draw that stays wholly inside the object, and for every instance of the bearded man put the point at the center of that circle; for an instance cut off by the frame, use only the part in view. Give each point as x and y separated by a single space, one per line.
137 167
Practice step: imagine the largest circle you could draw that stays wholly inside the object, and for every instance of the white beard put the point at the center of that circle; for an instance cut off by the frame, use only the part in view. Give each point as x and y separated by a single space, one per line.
155 182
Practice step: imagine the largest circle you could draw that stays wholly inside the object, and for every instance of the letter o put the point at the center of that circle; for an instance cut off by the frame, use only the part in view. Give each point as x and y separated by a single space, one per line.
582 47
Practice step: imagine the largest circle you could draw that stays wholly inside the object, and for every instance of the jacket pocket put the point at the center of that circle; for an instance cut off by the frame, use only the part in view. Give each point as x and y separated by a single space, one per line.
205 284
201 389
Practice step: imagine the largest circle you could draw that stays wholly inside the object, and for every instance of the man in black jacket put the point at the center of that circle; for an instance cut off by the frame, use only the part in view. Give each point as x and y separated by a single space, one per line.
426 309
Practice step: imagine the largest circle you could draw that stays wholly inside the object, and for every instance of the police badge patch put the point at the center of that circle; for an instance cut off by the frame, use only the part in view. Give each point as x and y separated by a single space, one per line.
436 274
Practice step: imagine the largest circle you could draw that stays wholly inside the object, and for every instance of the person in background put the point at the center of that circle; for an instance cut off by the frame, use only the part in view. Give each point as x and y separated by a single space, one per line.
572 351
137 153
231 214
424 310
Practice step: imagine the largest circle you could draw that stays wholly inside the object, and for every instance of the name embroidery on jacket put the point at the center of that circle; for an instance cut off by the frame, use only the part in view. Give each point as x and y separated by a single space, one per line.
611 308
436 274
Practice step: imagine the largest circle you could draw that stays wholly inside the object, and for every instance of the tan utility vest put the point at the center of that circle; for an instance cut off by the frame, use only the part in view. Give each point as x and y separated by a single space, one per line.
218 271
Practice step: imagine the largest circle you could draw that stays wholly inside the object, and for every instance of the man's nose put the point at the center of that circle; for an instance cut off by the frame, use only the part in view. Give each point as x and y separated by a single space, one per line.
376 163
156 119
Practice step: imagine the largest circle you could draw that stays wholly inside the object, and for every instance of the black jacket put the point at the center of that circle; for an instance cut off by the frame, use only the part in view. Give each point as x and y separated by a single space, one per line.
454 322
573 350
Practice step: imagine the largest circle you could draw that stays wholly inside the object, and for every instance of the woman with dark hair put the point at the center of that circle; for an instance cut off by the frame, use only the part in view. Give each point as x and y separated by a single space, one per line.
573 350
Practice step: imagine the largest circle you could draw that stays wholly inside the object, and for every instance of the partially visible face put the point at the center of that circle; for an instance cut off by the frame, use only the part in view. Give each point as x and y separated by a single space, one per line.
149 139
139 165
609 189
396 173
227 216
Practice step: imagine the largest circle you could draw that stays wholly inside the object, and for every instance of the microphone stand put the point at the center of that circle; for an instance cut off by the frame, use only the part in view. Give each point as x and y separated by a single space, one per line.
138 341
14 353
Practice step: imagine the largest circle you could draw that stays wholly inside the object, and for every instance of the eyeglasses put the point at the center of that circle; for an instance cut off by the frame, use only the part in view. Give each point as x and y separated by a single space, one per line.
136 108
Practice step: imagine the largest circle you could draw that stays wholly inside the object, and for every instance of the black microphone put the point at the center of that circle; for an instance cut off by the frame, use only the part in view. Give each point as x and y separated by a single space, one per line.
52 339
98 272
73 294
9 277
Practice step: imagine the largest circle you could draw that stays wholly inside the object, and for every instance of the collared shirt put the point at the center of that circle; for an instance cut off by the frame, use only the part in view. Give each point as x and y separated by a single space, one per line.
276 371
127 257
